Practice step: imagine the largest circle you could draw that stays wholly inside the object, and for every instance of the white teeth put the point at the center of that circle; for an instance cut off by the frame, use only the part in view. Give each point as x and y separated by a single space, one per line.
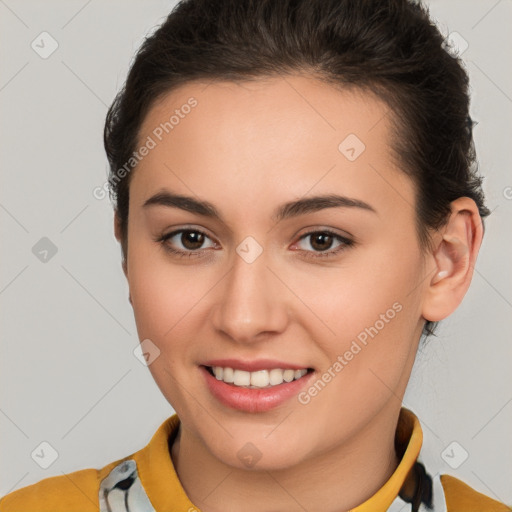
276 376
300 373
258 379
228 374
242 378
288 375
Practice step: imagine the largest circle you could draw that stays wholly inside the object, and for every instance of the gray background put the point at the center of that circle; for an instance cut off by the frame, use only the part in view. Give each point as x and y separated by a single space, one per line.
68 373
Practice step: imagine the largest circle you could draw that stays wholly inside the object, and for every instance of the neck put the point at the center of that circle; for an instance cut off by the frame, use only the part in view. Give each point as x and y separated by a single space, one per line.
335 481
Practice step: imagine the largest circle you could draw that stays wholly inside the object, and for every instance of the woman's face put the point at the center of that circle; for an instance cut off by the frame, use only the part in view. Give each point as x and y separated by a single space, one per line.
254 290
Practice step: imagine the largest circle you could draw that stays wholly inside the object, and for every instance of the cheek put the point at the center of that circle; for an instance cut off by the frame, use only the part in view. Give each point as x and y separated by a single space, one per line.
373 310
162 296
367 290
163 299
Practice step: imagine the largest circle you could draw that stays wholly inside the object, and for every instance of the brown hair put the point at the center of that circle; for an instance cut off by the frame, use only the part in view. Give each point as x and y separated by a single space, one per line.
390 48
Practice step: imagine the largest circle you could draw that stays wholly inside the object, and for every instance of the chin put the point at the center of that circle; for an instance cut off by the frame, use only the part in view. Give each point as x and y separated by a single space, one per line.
259 453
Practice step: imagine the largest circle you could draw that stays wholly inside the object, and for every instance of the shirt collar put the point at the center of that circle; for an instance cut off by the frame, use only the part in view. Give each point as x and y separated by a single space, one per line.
161 483
408 440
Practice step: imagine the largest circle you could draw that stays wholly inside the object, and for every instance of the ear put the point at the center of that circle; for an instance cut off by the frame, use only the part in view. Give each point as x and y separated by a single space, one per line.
454 257
119 238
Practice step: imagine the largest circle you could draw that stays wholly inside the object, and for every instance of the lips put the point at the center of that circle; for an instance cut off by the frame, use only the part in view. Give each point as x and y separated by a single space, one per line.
254 386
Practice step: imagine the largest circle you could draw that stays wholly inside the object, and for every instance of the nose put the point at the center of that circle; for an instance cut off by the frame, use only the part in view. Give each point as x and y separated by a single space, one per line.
252 302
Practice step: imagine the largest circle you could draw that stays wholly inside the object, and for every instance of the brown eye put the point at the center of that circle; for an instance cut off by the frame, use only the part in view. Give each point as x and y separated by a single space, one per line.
185 242
321 243
192 240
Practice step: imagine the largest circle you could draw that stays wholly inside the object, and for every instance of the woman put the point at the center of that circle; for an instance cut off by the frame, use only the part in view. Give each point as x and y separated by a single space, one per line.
297 203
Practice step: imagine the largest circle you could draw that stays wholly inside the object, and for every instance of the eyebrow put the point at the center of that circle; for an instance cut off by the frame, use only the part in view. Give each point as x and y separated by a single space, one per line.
285 211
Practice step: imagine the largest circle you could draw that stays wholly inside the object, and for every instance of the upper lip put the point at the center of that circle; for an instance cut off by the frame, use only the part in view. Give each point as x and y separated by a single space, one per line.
253 366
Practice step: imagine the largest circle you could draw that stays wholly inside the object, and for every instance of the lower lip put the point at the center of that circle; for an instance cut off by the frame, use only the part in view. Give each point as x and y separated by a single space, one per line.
252 399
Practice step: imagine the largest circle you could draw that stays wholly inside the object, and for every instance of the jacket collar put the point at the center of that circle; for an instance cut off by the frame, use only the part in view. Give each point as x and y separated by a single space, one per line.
153 471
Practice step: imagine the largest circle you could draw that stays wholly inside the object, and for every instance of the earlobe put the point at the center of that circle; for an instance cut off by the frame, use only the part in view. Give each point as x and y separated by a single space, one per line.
454 257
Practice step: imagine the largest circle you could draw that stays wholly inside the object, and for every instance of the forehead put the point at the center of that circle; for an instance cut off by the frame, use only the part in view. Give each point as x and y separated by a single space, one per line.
261 140
300 105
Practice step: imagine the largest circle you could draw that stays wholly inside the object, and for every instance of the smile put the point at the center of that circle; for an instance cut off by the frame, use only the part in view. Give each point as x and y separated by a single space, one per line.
256 380
256 386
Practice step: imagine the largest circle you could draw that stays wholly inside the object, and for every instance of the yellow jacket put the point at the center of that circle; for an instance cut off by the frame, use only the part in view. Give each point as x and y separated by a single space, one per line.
146 481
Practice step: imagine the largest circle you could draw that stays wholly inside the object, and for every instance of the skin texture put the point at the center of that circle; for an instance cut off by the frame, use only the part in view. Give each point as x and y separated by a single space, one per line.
248 148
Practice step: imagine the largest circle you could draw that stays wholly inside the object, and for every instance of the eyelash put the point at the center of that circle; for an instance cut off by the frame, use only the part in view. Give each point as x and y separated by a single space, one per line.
346 243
